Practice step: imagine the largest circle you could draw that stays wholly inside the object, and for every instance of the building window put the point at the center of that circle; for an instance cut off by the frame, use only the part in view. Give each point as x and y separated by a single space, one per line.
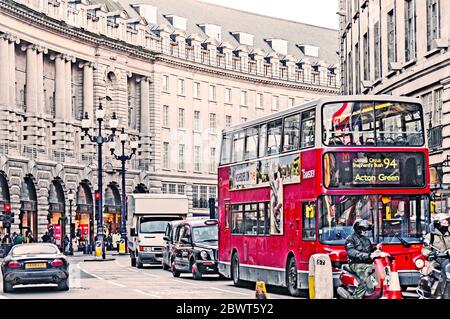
438 107
165 83
212 122
433 22
212 192
243 119
410 30
357 70
227 121
197 90
275 103
350 71
172 188
196 158
244 98
196 120
181 87
377 49
366 57
427 102
228 95
166 155
392 41
181 189
164 188
213 160
291 102
181 165
212 92
259 101
166 115
180 118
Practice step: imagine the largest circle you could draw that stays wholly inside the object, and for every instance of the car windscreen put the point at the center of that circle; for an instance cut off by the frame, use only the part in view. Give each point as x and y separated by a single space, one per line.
34 250
205 233
153 225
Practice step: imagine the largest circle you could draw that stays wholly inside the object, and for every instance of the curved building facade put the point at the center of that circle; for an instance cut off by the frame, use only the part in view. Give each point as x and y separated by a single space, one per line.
174 74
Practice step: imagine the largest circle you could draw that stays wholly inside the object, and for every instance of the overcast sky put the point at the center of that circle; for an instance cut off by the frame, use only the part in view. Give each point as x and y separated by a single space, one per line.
316 12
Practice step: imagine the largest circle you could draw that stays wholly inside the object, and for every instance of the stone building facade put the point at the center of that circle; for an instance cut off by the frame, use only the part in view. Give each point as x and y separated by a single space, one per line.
401 48
172 88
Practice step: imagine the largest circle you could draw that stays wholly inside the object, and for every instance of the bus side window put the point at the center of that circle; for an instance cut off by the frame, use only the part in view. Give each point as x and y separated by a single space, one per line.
309 221
263 140
274 137
267 219
291 133
307 129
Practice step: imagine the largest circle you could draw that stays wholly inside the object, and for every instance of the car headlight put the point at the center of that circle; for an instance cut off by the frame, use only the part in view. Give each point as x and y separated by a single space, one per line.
419 263
204 255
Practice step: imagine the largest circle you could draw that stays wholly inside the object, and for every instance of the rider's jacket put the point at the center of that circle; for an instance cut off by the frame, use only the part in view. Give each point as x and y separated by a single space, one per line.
358 249
436 241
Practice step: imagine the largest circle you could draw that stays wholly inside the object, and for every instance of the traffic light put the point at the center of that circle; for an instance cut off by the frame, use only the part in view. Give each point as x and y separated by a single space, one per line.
8 219
97 197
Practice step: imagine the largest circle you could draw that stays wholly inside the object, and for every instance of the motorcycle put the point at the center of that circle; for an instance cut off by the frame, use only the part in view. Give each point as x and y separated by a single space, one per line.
430 275
377 282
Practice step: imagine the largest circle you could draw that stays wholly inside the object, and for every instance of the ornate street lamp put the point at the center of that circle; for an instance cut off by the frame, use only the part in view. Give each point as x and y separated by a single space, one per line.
99 139
123 137
71 198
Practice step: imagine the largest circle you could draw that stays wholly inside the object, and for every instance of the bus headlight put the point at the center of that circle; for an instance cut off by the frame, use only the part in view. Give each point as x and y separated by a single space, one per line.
419 263
204 255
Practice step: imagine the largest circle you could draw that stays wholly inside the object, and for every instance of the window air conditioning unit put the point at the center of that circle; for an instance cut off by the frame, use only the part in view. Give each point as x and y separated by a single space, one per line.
396 66
441 43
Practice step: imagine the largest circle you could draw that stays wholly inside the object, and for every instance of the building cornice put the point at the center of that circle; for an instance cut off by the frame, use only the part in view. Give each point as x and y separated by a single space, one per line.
240 76
21 12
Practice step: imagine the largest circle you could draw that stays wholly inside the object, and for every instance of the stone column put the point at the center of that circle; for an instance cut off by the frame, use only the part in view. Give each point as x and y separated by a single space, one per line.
88 89
60 87
40 81
145 106
32 74
4 76
446 129
68 82
12 72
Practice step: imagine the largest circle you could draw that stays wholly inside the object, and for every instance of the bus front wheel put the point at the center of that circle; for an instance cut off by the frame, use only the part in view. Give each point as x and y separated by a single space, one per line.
235 270
291 278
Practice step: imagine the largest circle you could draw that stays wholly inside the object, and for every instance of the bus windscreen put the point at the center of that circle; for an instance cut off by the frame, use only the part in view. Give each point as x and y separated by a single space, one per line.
372 124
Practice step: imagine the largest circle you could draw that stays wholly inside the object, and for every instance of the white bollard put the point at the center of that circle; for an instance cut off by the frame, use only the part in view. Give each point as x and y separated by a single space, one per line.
320 277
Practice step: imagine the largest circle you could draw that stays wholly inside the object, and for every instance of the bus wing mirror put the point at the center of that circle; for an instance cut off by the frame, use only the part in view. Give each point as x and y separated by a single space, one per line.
185 240
166 238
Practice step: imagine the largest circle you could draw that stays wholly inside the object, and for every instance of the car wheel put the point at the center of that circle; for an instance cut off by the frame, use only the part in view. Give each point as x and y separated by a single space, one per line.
165 266
196 274
64 285
291 278
7 286
139 265
235 270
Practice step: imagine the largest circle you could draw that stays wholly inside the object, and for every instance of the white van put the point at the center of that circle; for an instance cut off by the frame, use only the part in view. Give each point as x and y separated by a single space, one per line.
148 216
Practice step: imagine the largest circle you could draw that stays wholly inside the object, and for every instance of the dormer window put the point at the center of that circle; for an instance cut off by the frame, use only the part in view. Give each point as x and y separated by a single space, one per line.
278 45
112 21
243 38
92 14
177 22
309 50
73 4
212 31
148 12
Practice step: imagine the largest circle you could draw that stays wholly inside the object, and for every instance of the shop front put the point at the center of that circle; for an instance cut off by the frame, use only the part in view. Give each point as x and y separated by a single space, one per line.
112 210
439 191
83 221
28 209
5 203
57 216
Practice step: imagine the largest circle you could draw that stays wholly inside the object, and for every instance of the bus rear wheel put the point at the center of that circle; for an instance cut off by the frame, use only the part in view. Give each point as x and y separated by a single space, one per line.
235 270
292 278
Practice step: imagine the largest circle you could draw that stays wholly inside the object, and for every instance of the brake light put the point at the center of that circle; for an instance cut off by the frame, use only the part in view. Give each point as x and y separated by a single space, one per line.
57 263
141 248
14 264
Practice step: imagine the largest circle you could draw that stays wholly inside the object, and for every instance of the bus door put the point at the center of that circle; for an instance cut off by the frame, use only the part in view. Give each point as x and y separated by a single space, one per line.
263 255
225 233
308 232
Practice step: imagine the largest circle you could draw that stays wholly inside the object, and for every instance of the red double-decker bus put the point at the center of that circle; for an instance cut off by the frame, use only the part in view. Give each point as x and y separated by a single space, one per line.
291 185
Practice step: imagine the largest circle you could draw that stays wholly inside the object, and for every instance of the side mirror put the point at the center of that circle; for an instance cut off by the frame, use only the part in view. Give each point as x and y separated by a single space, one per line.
166 238
133 232
185 240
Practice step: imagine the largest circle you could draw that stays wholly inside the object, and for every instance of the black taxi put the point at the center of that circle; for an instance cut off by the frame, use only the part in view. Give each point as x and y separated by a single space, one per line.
195 248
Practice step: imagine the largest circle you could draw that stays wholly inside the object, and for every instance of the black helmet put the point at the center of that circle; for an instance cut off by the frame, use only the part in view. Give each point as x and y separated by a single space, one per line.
361 225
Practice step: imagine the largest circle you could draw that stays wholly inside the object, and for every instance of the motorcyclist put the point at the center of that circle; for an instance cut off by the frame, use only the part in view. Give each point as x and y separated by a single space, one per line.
361 254
438 241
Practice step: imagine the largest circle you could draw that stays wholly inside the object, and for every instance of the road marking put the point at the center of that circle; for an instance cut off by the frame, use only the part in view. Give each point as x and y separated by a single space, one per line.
79 267
229 291
147 294
150 275
135 270
116 284
119 264
186 283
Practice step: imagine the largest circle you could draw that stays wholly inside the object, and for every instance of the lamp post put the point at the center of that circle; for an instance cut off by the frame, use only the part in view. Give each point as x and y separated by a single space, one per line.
123 137
70 197
99 139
